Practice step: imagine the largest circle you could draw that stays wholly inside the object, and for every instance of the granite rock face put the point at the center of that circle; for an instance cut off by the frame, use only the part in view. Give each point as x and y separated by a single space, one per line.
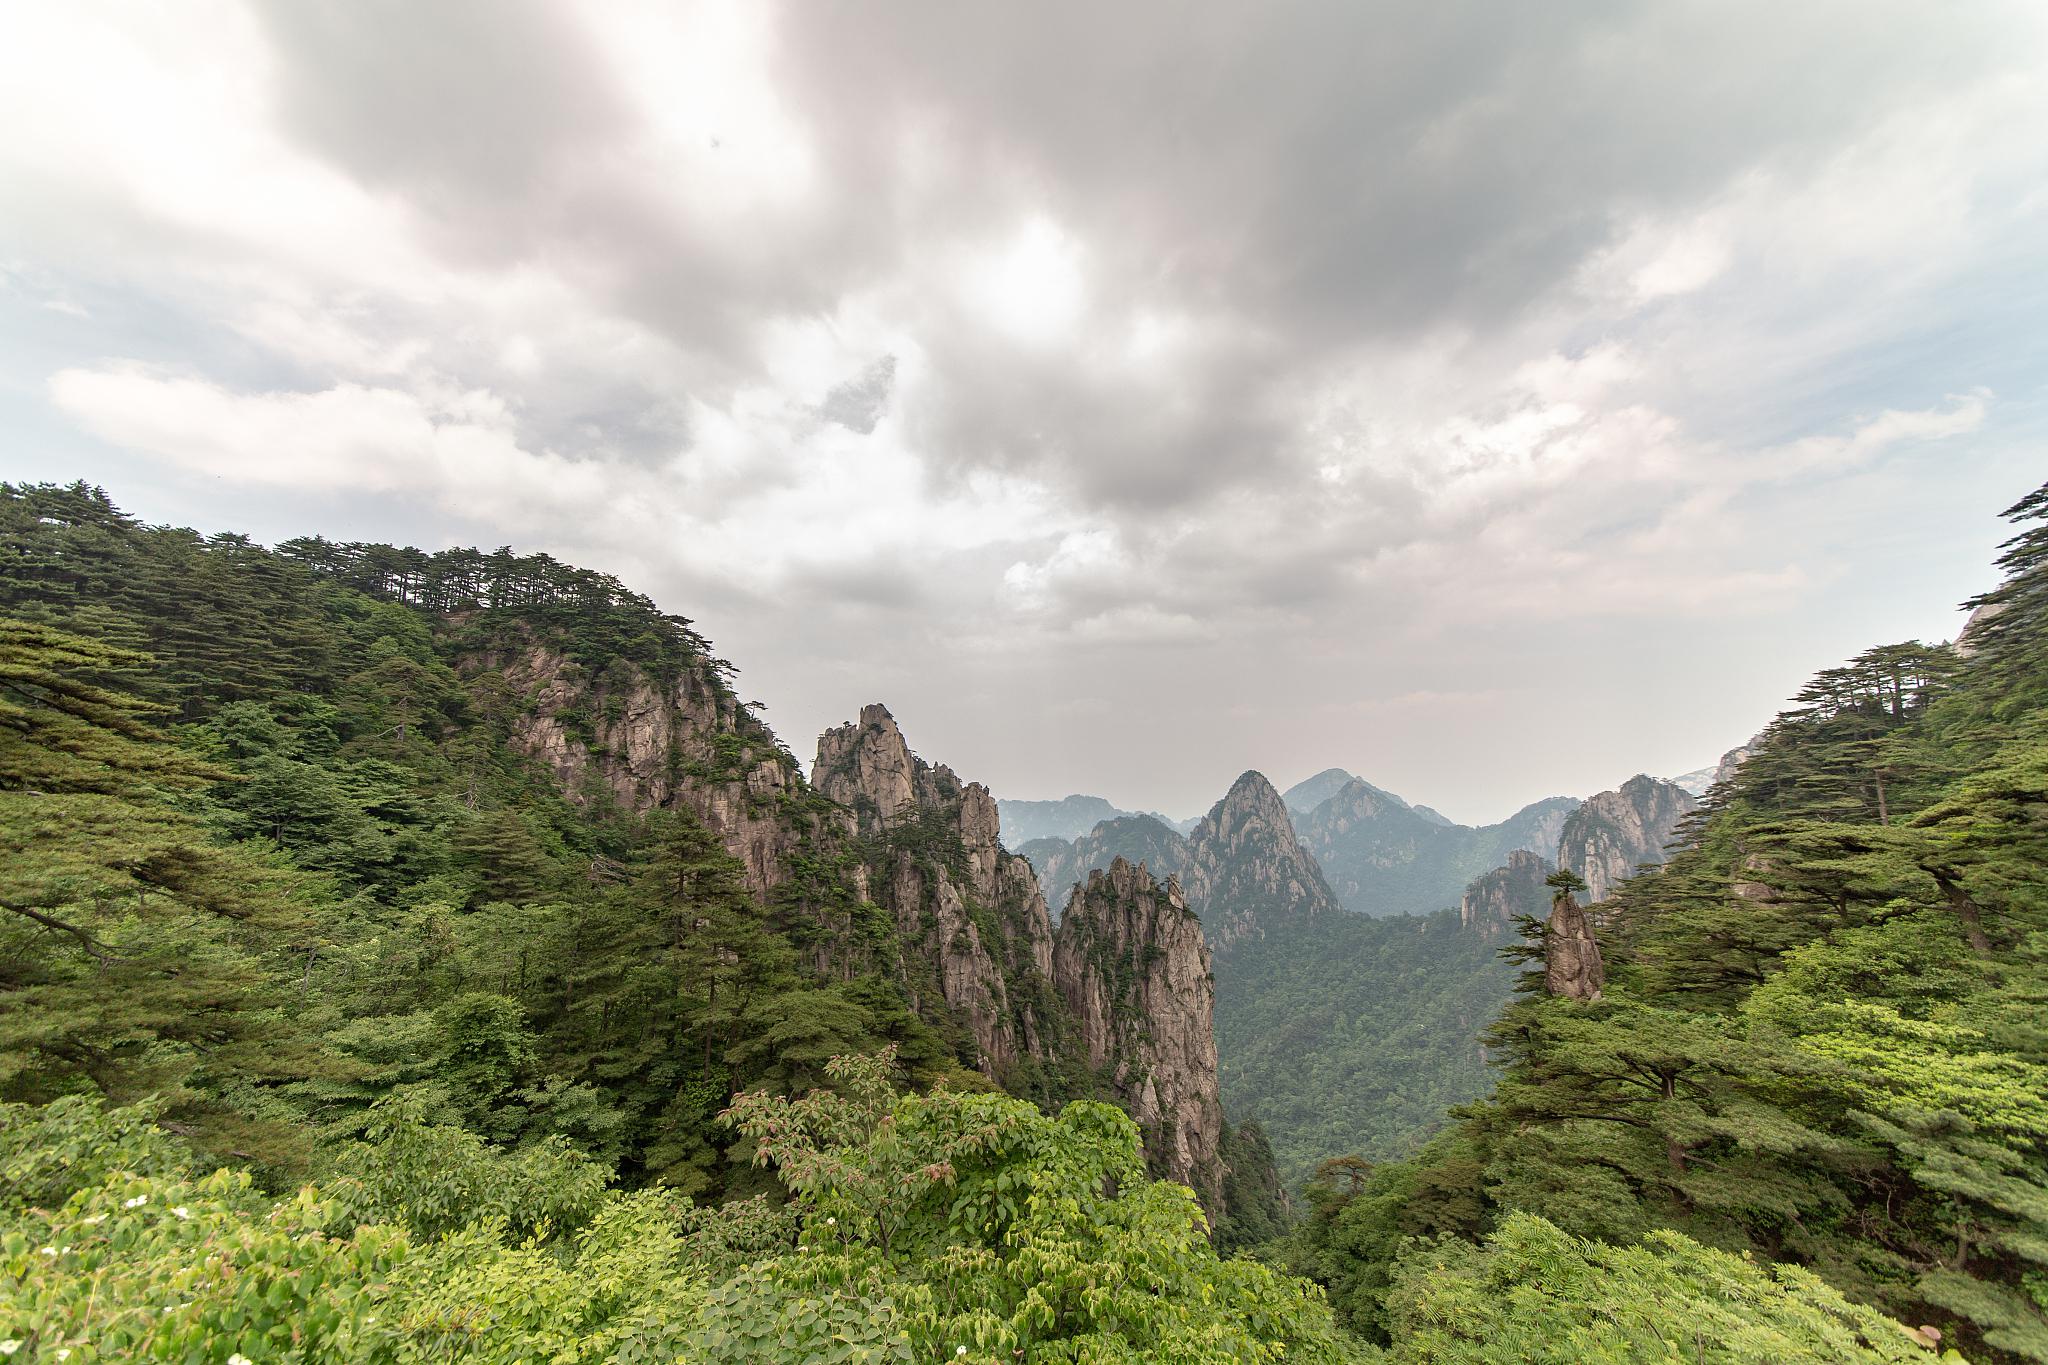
1247 871
627 738
960 901
1571 955
1615 832
1063 864
1132 966
1493 902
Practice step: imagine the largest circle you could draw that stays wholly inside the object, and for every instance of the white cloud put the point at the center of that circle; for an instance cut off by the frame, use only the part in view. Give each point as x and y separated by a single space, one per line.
1285 370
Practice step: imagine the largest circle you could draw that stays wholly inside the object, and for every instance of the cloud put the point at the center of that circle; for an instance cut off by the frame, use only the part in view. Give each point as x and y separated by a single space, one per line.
967 349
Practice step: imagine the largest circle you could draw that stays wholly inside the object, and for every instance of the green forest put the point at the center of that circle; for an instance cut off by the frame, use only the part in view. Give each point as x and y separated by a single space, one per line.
333 1028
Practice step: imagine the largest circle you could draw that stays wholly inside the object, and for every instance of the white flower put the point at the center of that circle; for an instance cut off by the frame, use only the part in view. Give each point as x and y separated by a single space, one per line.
961 1351
137 1202
831 1222
63 1353
49 1251
182 1212
9 1346
239 1359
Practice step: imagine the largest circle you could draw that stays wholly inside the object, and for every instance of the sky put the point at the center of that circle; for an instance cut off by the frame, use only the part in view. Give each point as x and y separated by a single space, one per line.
1495 401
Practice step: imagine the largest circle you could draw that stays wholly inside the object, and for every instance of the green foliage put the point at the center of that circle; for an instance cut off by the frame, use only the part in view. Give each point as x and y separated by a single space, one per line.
1354 1033
291 861
1820 1045
1534 1294
956 1227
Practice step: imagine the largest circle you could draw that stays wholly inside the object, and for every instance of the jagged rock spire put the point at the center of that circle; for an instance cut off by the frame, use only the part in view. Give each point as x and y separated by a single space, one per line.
1571 955
1248 868
1614 833
975 925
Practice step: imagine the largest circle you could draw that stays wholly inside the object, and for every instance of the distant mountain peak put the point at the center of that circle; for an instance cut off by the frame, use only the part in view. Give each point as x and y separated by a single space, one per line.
1254 868
1305 795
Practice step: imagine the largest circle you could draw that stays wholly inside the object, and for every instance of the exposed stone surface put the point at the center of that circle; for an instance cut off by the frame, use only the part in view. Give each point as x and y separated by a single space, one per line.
1571 955
624 737
1732 761
1493 902
972 908
1131 964
1614 833
1063 863
1247 871
1965 643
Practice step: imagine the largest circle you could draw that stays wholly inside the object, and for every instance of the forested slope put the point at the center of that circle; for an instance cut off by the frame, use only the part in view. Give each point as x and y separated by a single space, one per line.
1820 1039
286 842
371 990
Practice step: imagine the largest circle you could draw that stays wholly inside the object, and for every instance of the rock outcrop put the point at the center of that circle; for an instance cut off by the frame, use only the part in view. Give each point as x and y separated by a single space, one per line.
1132 966
1063 863
1732 761
625 737
1248 870
1571 955
1616 832
1493 902
968 907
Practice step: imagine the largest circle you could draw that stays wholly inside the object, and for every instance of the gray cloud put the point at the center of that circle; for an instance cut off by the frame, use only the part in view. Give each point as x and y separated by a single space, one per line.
1297 384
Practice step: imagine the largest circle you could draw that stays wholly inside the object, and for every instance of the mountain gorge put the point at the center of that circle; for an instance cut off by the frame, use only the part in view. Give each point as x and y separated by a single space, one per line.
462 893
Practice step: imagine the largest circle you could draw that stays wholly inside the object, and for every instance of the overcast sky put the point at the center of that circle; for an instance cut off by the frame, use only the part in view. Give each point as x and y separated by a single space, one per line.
1494 400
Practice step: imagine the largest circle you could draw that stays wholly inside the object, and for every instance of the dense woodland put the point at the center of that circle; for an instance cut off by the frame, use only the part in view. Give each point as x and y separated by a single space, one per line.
331 1029
1821 1040
1355 1034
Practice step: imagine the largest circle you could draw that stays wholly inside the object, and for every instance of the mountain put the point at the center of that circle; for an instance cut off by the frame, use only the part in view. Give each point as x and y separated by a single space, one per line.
1796 1038
1133 968
1493 903
1251 873
1614 833
1382 856
1697 782
492 837
1067 818
1139 839
969 911
1305 795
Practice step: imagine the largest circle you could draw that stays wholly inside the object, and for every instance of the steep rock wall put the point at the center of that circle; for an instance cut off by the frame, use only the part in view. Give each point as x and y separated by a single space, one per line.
622 736
1614 833
1493 902
1132 965
935 860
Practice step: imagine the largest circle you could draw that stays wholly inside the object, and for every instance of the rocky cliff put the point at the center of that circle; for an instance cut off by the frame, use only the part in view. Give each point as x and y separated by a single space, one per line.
1614 833
1493 902
1572 966
964 906
1063 863
1251 870
1132 966
628 737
